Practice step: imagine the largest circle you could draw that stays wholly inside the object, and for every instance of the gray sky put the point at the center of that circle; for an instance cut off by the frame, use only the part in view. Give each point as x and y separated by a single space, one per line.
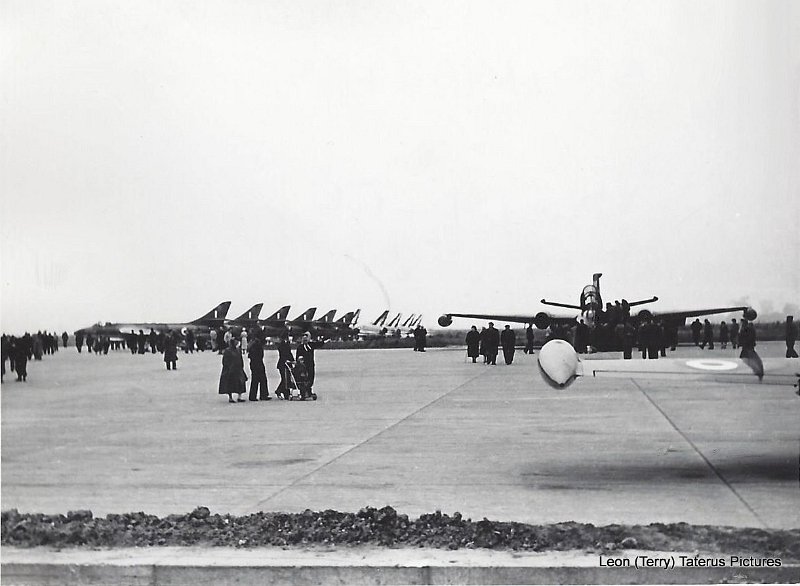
159 157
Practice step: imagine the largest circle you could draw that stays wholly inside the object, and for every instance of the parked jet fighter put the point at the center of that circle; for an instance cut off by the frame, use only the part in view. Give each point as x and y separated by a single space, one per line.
374 330
118 330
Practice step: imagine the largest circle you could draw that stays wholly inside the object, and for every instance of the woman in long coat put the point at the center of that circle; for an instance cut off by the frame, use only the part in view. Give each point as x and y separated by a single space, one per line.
473 343
171 351
233 376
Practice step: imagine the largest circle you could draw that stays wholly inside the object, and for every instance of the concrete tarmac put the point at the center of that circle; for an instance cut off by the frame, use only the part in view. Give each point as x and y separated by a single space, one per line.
417 431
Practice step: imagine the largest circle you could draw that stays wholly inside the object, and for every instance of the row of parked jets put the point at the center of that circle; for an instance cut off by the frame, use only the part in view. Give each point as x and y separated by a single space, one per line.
346 327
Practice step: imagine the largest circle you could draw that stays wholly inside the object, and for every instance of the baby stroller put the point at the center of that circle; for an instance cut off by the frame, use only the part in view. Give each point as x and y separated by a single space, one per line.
298 379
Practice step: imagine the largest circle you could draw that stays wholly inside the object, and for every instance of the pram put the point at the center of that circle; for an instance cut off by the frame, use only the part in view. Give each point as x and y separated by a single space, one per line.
298 379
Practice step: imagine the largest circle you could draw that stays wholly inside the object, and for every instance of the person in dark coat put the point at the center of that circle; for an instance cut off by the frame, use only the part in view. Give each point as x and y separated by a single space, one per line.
3 354
284 356
491 343
232 379
747 339
258 372
79 341
482 345
305 349
628 339
529 338
708 335
171 350
791 337
734 333
508 339
141 342
696 328
581 337
473 342
65 339
21 360
420 338
723 335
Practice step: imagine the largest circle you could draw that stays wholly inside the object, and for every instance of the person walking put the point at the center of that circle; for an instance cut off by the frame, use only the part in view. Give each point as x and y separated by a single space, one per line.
258 372
232 379
747 339
791 337
696 328
473 342
65 339
708 335
508 339
529 337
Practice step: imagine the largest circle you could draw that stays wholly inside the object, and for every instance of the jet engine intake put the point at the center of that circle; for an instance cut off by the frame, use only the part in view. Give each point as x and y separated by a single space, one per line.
541 320
749 314
445 320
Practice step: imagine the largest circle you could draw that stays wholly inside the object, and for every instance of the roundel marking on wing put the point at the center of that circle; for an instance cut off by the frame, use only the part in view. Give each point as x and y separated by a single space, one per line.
712 364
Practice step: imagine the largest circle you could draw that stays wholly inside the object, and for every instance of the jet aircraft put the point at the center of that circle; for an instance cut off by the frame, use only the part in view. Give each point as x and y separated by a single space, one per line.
591 311
374 330
118 330
560 366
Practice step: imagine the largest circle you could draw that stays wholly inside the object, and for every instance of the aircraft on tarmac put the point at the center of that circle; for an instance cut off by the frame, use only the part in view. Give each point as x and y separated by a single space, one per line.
118 330
592 313
408 326
341 328
560 366
374 330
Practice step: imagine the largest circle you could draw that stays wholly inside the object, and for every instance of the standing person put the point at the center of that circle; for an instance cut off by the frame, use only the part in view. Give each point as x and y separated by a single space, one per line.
3 354
473 342
482 346
141 342
529 337
79 341
747 339
708 335
581 337
491 344
152 339
233 377
65 339
213 335
734 333
258 372
508 339
420 338
226 338
791 337
305 350
284 356
244 341
171 350
628 338
723 335
189 342
696 327
661 332
21 360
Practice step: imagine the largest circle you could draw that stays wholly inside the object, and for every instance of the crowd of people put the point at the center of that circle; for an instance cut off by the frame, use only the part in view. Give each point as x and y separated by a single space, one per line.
650 336
297 371
19 350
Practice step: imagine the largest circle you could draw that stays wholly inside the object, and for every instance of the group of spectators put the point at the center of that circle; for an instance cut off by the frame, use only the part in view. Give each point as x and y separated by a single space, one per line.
19 350
297 371
488 341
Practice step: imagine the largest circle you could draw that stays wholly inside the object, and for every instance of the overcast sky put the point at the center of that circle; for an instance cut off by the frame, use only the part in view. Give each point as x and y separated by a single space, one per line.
159 157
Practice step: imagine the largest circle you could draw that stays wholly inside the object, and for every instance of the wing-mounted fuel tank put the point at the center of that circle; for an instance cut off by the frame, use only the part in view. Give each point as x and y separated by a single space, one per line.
445 320
750 314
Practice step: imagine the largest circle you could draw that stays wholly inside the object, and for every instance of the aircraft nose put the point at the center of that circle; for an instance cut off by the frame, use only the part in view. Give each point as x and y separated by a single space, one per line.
558 363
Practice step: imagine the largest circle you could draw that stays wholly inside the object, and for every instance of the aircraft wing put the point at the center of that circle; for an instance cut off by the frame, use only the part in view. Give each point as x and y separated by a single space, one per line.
538 318
776 371
749 313
560 365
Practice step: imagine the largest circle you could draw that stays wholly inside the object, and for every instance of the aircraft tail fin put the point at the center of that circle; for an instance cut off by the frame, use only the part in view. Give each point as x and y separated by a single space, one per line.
381 318
393 323
346 318
418 321
355 317
307 315
328 317
216 314
251 314
281 314
409 320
